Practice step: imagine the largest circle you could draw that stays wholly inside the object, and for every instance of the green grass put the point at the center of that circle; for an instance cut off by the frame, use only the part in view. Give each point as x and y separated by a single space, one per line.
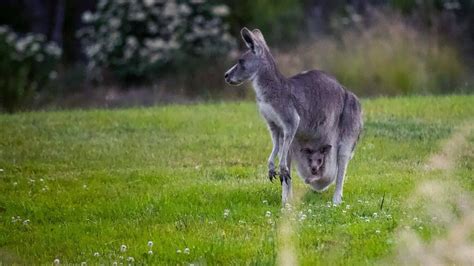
90 181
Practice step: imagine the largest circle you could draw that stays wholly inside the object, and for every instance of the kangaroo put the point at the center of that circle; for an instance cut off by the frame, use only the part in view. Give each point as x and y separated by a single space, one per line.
310 107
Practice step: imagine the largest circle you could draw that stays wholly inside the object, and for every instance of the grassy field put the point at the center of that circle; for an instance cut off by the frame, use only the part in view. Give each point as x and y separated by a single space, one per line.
77 185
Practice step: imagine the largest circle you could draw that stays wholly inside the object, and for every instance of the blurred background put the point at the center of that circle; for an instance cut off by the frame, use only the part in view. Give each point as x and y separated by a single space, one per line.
59 54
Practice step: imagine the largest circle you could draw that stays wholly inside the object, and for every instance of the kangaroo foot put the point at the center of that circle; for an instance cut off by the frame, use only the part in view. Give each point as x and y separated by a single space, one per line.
272 174
284 176
337 198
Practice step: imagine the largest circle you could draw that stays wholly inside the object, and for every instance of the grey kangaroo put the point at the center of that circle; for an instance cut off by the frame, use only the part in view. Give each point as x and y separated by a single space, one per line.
310 108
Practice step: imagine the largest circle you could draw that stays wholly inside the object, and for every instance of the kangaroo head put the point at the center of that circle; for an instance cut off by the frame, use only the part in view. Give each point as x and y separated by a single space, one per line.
316 158
250 61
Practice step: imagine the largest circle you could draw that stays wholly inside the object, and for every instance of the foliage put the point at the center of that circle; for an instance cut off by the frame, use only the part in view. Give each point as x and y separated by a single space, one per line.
387 58
138 38
27 63
195 177
281 21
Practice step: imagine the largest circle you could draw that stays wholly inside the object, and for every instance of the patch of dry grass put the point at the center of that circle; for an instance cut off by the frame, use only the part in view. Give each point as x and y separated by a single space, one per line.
388 58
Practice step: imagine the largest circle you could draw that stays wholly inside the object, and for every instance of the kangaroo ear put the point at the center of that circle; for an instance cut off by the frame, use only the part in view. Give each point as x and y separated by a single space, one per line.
325 149
251 41
257 33
307 151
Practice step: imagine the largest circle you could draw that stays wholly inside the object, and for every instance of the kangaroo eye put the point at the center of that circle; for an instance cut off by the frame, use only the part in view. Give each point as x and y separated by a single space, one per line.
320 161
241 62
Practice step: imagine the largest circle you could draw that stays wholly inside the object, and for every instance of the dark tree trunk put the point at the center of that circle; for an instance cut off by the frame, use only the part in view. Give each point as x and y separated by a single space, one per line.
39 16
57 33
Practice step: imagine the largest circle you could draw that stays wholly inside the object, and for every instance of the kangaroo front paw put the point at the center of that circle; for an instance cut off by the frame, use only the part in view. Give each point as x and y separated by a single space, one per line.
272 174
284 176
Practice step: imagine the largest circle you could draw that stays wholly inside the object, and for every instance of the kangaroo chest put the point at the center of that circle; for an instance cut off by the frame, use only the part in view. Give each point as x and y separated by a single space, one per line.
269 113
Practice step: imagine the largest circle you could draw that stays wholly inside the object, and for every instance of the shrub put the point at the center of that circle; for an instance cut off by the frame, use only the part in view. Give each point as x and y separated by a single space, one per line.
282 21
137 38
27 63
387 58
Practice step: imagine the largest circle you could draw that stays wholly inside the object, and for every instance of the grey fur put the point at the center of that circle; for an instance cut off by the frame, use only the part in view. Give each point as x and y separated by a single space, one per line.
307 110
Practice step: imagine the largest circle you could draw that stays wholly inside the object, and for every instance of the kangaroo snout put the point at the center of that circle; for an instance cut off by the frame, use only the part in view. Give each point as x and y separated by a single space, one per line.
226 78
314 170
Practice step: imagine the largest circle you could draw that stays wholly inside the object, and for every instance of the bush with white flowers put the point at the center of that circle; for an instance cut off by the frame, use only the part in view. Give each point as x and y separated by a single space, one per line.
137 38
27 62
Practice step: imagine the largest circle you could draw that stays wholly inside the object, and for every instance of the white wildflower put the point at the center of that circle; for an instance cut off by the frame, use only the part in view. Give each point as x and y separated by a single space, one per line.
130 259
220 10
150 252
155 44
150 244
302 217
92 50
53 49
21 45
377 231
186 251
96 254
265 201
226 213
56 262
138 16
170 10
34 47
115 23
268 214
132 41
184 9
87 17
123 248
178 251
149 3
